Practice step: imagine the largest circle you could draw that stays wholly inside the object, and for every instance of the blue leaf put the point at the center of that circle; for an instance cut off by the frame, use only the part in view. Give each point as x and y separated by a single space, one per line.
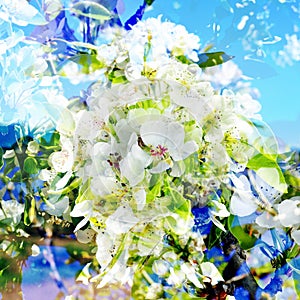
9 135
57 28
136 17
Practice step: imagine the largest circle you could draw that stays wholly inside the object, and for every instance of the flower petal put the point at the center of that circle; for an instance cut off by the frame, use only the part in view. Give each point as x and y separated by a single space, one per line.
133 165
121 220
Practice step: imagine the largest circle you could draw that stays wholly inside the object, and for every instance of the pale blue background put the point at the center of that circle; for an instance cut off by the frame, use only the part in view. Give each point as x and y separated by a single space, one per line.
279 91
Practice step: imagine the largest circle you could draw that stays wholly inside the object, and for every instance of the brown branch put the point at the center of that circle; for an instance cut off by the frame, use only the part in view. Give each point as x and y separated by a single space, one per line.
237 263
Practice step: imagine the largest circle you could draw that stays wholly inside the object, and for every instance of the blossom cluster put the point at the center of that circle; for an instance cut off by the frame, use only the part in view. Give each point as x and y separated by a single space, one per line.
162 166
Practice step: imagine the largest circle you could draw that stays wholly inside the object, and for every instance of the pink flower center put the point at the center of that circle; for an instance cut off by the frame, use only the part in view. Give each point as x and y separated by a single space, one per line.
159 151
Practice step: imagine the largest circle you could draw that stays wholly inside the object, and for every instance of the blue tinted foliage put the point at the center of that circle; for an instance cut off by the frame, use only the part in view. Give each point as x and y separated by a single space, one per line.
202 220
136 17
241 293
57 28
9 135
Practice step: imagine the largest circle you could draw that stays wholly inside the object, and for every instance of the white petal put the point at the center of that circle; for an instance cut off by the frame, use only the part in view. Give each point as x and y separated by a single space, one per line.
296 236
63 181
121 220
83 277
82 208
81 224
219 209
154 133
140 198
175 136
85 236
289 212
105 244
242 204
178 169
210 271
102 185
35 250
133 165
267 221
58 207
160 167
190 273
241 182
188 148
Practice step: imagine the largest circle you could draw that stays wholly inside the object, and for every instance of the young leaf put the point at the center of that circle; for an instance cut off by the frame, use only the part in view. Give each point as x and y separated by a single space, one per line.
149 2
213 59
207 59
31 165
29 211
246 241
88 62
268 169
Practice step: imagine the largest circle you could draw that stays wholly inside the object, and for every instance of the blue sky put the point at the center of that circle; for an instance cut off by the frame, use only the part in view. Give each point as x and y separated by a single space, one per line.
261 39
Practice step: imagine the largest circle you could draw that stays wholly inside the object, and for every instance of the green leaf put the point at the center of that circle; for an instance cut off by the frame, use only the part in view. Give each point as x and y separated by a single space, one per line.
246 241
71 186
261 160
142 279
266 167
91 10
85 192
29 212
10 163
51 143
155 188
10 272
31 165
213 59
296 278
89 62
1 157
207 59
17 177
178 203
292 180
184 59
149 2
42 162
117 76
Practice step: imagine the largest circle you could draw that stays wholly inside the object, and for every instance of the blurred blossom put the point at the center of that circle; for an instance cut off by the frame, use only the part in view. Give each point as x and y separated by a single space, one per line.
289 212
296 236
11 209
20 12
28 103
287 293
